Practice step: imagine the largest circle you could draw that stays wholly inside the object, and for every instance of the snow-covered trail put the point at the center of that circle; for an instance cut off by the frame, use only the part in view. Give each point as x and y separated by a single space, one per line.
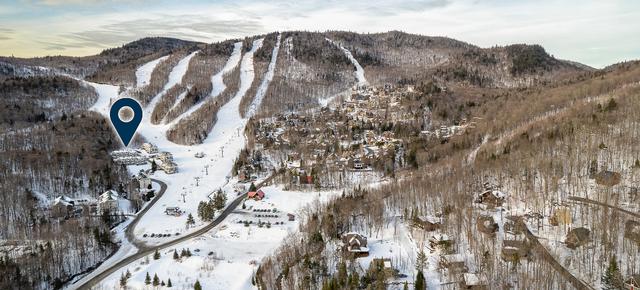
229 119
106 95
175 77
264 85
222 146
362 81
143 73
217 82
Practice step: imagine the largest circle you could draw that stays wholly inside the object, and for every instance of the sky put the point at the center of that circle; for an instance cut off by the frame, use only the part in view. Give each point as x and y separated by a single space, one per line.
596 33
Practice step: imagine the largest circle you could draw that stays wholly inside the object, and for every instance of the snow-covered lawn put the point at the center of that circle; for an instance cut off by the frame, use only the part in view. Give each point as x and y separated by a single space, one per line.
227 256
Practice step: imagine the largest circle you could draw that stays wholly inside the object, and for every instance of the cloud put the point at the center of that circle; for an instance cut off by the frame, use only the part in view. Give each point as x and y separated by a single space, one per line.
87 28
192 27
5 33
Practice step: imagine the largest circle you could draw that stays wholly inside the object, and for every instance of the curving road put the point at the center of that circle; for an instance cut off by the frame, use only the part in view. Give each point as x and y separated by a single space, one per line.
129 230
540 249
150 250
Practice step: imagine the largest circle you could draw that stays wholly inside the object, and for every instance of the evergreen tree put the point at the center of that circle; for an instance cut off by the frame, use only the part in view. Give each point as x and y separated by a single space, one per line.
252 187
154 166
406 286
190 221
421 260
612 278
156 255
197 285
162 283
169 283
175 255
147 280
156 280
420 283
342 274
128 274
355 281
123 280
219 200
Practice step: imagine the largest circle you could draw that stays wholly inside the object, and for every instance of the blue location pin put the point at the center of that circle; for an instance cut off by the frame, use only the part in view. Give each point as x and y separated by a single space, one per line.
126 130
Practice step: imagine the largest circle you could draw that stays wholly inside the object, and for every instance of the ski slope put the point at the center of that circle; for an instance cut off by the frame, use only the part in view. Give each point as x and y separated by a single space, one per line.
221 147
362 81
217 83
175 77
264 85
143 73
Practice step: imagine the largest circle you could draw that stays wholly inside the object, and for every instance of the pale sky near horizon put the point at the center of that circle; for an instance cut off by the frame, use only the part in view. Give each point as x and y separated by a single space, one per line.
596 33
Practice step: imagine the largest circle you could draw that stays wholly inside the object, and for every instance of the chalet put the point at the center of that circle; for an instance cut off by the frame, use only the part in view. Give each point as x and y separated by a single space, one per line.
291 217
513 250
633 282
173 211
108 202
427 223
149 148
577 237
440 242
493 198
62 207
168 166
608 178
256 195
560 216
474 281
355 243
165 156
487 225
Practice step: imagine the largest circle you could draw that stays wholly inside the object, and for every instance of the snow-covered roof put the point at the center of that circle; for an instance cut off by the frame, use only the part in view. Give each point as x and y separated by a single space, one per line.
109 195
66 201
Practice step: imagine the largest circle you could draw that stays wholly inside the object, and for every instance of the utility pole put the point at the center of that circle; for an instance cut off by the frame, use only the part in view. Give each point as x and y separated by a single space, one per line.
183 198
222 151
206 168
197 178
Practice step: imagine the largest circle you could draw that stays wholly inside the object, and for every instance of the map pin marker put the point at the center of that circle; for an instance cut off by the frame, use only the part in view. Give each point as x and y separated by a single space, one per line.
126 129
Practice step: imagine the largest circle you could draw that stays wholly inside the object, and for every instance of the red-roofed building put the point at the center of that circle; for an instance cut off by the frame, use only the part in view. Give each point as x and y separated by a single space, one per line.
257 195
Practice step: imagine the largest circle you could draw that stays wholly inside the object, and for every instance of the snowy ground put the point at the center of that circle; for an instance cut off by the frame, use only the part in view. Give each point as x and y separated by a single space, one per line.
227 256
143 74
126 249
221 147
